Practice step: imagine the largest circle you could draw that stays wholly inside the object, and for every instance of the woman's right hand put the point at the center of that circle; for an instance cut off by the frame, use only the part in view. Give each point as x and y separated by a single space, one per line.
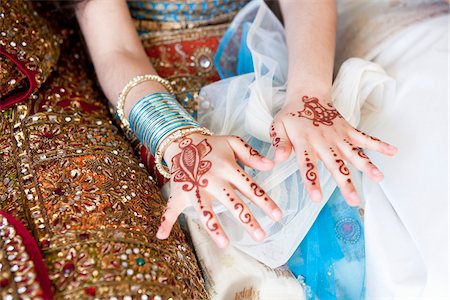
204 168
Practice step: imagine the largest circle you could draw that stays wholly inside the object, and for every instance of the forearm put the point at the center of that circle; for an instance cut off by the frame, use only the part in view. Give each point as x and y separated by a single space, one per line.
116 69
311 36
115 49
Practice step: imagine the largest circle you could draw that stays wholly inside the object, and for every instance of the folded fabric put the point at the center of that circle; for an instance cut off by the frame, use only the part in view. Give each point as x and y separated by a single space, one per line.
232 274
29 50
22 270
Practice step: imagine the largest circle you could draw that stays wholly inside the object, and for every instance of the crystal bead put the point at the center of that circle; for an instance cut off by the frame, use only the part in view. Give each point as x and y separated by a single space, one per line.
90 291
68 268
4 282
204 62
140 261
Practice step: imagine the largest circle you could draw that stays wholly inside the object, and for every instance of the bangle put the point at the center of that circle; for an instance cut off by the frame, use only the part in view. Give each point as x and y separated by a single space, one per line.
131 84
173 136
156 116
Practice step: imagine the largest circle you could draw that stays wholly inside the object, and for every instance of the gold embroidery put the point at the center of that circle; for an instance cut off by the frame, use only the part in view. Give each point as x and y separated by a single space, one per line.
187 35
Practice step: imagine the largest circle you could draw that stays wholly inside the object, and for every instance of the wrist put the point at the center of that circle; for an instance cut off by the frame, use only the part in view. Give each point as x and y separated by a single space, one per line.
294 96
308 86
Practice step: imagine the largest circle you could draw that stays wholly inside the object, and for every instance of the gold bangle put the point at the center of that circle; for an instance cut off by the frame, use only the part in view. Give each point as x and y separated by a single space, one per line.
175 135
131 84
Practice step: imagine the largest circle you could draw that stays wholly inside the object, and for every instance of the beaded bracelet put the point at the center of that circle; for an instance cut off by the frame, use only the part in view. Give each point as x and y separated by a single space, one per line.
175 135
131 84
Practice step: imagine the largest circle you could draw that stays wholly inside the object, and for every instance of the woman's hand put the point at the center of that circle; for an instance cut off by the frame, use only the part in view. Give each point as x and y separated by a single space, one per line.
316 131
204 168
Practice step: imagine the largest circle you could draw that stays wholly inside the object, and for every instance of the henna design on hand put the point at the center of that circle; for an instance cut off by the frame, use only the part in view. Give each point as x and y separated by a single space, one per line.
244 217
275 140
210 224
342 167
189 166
316 112
251 151
361 153
358 150
310 174
371 137
258 191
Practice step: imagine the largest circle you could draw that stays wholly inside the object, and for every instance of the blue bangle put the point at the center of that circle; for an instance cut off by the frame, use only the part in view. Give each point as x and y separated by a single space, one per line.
156 116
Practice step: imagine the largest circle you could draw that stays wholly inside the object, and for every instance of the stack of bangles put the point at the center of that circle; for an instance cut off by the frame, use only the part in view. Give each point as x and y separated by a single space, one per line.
157 119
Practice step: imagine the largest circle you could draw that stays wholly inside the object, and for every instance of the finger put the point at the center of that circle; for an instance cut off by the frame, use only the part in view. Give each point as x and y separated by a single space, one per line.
364 140
209 219
169 217
249 156
256 194
242 213
335 164
307 160
360 160
280 141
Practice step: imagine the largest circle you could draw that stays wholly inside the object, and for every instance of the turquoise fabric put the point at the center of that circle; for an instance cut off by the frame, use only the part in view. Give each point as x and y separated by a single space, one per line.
330 260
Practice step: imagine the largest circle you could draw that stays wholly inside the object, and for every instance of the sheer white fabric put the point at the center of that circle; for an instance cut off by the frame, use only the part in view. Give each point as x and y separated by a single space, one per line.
406 216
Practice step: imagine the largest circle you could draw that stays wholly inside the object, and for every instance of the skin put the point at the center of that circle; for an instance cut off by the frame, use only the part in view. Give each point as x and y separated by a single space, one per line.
118 56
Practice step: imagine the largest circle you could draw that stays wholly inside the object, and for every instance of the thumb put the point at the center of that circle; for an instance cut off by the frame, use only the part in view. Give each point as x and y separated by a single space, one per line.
280 141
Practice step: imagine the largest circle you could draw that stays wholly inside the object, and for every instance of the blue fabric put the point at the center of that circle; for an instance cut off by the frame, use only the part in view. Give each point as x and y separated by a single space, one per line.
168 11
330 261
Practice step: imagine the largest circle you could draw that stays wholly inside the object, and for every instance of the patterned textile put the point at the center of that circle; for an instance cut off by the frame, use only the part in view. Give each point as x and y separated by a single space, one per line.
73 180
22 70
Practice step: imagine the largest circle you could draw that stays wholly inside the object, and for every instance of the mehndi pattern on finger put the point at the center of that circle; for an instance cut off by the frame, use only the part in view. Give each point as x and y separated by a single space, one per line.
342 167
257 190
366 135
358 151
275 139
244 217
316 112
310 174
252 152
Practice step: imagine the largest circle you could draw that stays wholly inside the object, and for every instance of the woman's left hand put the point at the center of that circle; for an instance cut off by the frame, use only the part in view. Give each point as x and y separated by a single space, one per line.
316 131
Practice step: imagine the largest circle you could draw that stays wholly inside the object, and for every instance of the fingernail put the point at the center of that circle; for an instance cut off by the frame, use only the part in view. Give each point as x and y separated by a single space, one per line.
259 234
377 172
222 241
266 160
354 197
316 196
159 233
393 148
277 214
